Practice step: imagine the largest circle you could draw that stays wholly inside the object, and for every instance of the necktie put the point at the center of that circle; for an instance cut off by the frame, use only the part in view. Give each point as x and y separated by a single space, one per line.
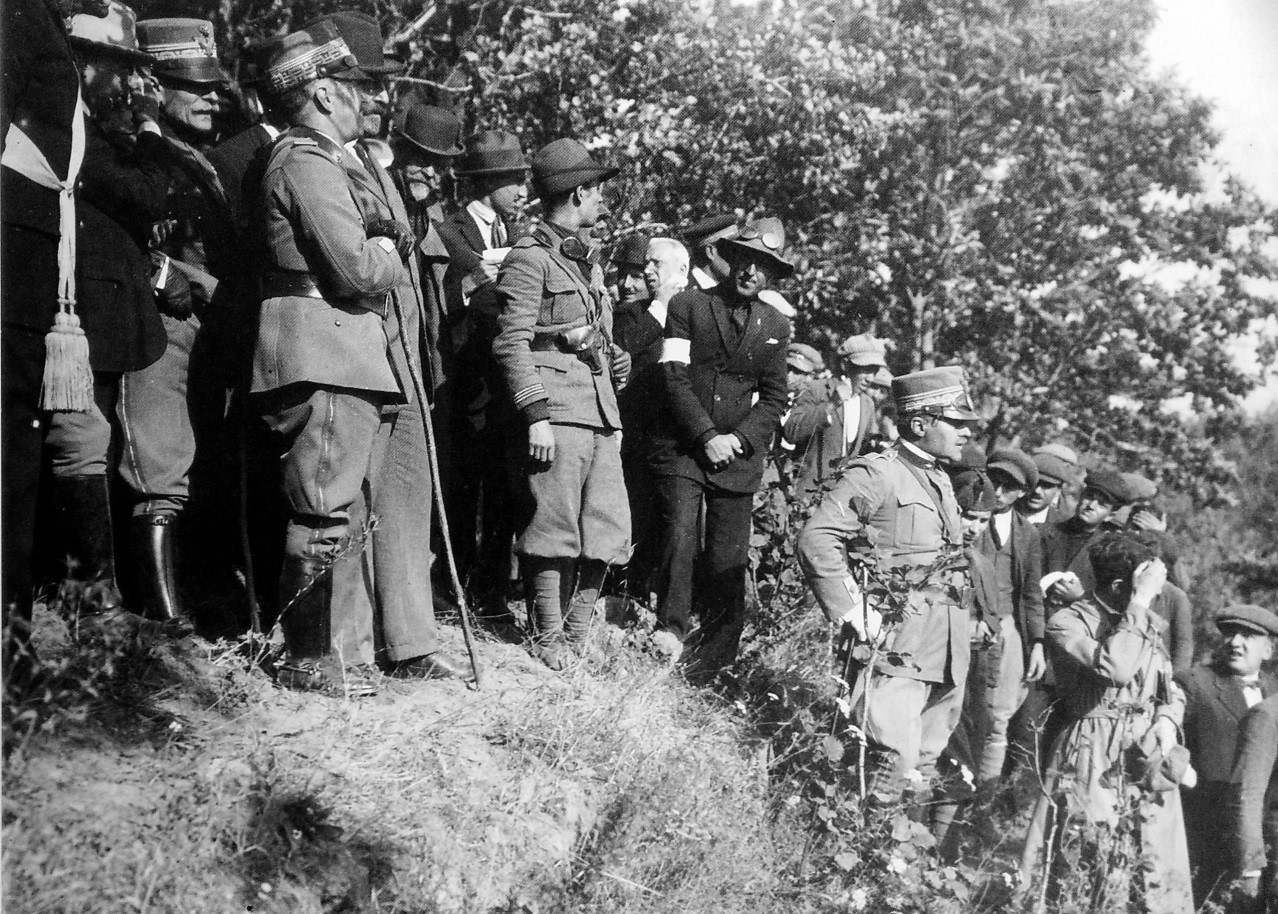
499 232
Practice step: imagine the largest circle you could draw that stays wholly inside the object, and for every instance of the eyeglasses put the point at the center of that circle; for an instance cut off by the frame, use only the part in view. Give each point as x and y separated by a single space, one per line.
771 240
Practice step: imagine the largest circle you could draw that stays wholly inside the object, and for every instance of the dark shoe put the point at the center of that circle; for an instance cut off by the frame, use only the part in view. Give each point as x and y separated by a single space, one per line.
83 523
552 650
306 596
327 678
157 574
437 665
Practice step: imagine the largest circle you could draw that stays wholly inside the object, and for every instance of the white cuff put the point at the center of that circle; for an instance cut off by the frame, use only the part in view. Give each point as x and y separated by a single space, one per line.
386 245
676 350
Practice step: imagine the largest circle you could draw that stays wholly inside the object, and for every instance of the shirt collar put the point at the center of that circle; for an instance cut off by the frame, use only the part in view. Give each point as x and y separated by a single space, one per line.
659 310
703 279
921 456
481 212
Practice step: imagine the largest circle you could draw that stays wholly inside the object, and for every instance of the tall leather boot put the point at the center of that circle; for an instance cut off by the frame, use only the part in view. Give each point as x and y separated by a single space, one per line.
306 596
152 536
82 517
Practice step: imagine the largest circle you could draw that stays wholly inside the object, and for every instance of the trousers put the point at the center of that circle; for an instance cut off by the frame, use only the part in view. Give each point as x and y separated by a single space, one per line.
908 724
1002 694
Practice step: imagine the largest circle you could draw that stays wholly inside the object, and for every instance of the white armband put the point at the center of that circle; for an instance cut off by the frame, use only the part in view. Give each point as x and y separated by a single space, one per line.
674 349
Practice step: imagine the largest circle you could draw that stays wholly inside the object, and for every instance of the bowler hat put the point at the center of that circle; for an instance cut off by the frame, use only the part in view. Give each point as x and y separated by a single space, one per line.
1056 463
764 237
115 33
1110 482
491 152
1015 463
864 351
710 229
631 253
363 36
804 358
308 54
1249 616
435 130
935 391
564 165
183 49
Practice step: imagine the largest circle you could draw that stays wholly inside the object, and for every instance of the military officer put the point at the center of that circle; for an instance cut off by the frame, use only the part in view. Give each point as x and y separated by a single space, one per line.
708 268
563 370
725 379
904 496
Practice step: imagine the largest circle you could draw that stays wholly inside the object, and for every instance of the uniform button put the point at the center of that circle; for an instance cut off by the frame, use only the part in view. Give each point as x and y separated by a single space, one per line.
717 398
337 323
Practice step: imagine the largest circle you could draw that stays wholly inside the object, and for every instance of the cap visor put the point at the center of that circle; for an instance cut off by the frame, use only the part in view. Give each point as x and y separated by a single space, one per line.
139 57
1244 624
203 70
962 415
391 67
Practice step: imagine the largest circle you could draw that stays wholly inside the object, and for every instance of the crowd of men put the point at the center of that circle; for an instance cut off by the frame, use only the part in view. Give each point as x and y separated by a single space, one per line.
333 348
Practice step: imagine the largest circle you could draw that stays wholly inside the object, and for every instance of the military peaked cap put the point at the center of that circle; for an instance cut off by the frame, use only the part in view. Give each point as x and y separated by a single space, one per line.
183 49
935 391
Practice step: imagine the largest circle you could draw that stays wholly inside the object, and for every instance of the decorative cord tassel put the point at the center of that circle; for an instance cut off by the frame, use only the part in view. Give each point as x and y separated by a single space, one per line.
68 378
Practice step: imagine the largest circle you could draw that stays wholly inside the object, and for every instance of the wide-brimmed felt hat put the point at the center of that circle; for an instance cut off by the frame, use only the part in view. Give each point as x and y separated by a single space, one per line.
804 358
430 128
363 35
183 49
310 53
115 33
1109 481
935 391
1248 616
564 165
491 152
631 253
710 229
1016 464
764 237
864 351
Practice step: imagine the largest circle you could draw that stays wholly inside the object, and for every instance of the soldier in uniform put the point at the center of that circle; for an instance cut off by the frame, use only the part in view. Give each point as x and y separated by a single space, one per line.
904 497
332 377
563 371
725 377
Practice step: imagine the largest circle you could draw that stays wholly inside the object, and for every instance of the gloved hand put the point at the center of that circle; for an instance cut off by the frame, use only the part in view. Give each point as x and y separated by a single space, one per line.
401 235
173 292
620 362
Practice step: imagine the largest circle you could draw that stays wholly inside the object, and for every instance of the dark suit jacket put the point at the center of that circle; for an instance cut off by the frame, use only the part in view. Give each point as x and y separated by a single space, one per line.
1214 708
643 408
1027 571
232 160
714 391
1255 775
123 189
815 428
472 325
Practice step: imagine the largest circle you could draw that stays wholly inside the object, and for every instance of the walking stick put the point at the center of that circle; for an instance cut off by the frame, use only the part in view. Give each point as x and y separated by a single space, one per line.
419 388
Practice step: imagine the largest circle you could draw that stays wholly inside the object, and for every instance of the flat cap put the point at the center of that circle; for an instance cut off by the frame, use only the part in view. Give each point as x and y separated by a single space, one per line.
804 358
935 391
1142 487
705 229
973 492
1056 462
1015 463
1249 616
1109 481
864 350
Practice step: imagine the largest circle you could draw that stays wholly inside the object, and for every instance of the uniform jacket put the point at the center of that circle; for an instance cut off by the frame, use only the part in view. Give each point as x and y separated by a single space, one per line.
123 186
1255 810
542 292
815 428
714 391
643 405
911 507
311 226
1027 571
1214 709
39 93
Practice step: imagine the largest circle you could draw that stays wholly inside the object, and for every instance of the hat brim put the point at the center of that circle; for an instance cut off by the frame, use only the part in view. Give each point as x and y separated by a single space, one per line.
864 361
573 178
1011 470
452 151
391 67
491 172
138 57
960 415
204 70
1246 624
783 266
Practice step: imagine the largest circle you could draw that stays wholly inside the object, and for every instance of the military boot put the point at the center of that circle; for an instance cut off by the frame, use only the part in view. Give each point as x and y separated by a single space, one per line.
152 536
82 518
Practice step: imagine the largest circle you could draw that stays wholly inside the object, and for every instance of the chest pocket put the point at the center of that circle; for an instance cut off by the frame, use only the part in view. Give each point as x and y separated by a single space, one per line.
918 524
564 301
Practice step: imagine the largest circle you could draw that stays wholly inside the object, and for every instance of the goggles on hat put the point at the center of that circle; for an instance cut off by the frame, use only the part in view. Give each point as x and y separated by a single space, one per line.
771 240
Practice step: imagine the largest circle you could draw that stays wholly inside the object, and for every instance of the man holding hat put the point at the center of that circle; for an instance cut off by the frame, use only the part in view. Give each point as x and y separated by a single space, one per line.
171 411
902 497
725 381
1012 547
493 176
562 369
837 419
334 378
1057 467
1218 695
702 239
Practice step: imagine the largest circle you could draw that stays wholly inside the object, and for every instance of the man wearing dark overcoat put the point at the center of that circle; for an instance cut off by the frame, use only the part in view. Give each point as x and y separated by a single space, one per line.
1254 811
562 369
725 382
1218 695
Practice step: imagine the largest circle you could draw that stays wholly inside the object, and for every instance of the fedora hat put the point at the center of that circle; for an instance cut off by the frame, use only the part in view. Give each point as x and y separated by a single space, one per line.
183 49
363 36
764 237
308 54
115 33
431 129
491 152
564 165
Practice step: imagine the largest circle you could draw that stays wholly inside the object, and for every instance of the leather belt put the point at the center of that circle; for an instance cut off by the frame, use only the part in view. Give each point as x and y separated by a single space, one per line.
280 284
